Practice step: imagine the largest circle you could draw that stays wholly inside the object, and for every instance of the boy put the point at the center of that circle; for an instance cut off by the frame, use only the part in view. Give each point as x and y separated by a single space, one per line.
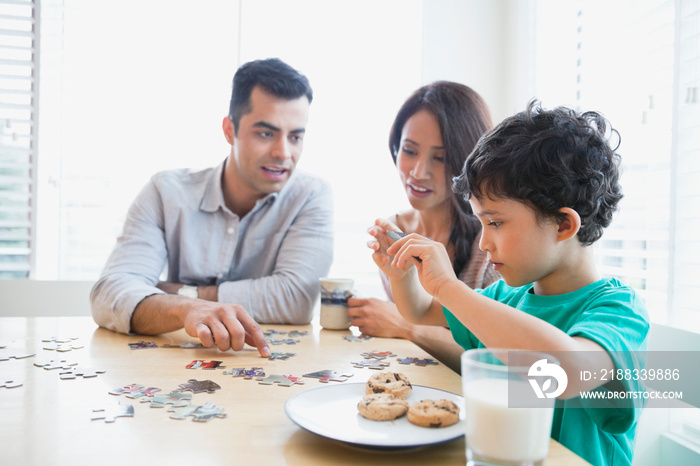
544 184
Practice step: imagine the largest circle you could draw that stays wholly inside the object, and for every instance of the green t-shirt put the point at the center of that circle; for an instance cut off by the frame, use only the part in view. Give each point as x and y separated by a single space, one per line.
612 315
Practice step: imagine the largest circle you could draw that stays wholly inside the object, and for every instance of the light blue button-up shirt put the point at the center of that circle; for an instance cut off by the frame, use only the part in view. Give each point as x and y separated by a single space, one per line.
269 261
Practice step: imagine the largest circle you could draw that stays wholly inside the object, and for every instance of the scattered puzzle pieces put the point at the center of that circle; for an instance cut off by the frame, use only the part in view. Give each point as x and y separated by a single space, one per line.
377 364
197 363
201 413
374 354
276 341
278 355
113 411
84 372
63 347
135 391
59 340
417 361
143 345
184 345
285 380
199 386
292 334
326 376
10 384
360 338
176 398
55 364
246 373
61 344
7 357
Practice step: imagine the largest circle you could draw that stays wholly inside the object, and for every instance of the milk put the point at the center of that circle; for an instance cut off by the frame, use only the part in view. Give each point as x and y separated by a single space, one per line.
498 433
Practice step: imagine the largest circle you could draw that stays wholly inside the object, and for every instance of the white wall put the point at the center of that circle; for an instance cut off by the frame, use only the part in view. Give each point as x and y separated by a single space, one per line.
483 44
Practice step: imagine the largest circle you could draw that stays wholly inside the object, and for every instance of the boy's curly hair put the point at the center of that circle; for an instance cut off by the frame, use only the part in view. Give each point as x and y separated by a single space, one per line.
549 159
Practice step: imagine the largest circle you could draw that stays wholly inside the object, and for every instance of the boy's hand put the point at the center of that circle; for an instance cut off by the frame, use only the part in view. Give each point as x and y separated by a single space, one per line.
429 257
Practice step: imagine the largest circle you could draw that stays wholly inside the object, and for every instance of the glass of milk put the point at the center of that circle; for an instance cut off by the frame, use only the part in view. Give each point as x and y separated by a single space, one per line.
506 422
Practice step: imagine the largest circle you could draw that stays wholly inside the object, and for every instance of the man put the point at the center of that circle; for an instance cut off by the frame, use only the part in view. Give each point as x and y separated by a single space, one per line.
245 241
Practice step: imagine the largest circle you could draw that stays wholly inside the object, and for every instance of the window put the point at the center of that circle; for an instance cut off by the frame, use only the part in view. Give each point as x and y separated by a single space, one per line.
636 62
18 124
126 95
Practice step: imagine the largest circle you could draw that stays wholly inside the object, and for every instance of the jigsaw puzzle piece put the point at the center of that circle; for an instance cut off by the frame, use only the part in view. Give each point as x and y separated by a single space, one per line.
61 345
326 376
372 364
176 398
246 373
424 362
113 411
204 364
59 339
285 380
7 357
55 364
143 345
378 354
201 413
278 355
10 384
84 372
198 386
360 338
277 341
134 390
417 361
184 345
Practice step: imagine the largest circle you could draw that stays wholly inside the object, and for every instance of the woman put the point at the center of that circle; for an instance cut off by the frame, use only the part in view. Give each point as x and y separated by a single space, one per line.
434 131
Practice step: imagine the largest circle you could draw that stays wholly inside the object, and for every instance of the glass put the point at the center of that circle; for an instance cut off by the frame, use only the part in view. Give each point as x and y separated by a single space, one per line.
506 423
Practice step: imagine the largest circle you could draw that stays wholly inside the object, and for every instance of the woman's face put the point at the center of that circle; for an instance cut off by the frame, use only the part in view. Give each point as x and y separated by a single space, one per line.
421 162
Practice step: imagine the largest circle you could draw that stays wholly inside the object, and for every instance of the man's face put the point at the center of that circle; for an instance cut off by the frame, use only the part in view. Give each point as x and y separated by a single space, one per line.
267 146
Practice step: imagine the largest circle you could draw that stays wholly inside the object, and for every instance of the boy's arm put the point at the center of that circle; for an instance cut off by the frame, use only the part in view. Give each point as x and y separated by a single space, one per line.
414 304
495 324
498 325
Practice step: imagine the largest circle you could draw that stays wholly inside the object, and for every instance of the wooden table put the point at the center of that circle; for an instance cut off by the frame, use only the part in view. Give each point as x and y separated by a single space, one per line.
47 420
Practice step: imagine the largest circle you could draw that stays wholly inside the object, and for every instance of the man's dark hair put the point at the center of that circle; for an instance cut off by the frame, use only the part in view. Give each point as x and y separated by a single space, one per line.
549 159
274 76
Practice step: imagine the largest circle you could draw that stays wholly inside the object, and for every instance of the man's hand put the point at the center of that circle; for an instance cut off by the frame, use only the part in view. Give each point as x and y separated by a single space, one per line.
228 326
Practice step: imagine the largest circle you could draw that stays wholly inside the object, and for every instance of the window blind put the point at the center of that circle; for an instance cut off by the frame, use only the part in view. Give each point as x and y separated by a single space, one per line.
18 121
684 282
638 63
626 72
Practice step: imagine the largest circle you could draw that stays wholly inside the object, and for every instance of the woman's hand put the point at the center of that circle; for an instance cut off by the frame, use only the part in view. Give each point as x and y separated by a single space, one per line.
379 318
380 243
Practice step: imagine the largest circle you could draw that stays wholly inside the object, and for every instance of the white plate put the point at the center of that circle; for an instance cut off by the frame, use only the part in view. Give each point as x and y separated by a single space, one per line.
331 412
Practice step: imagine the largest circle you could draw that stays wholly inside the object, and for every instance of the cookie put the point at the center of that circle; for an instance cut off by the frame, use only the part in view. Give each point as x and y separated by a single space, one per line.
433 413
382 407
393 383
